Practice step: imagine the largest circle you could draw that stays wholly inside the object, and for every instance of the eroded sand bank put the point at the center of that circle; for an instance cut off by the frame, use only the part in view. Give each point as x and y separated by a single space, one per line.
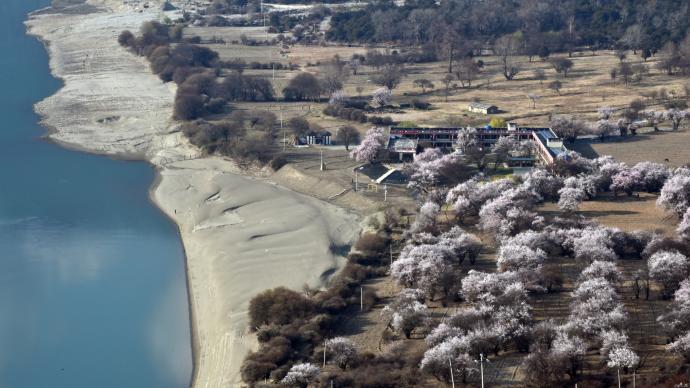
242 235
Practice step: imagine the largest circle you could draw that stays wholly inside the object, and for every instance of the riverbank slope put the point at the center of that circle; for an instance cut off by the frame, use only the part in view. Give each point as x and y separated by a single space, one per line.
241 234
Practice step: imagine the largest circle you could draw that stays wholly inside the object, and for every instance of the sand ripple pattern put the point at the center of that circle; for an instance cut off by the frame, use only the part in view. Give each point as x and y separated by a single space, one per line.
241 236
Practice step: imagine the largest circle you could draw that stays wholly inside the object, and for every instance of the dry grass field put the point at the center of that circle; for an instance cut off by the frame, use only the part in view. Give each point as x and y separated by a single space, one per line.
671 148
638 212
587 87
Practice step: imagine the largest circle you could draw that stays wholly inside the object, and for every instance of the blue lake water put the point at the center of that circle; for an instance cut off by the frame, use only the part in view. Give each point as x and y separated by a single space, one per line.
92 282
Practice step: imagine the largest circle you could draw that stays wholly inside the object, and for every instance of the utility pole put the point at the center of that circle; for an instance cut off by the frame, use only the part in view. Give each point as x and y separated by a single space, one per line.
481 367
321 165
452 379
324 353
356 180
361 299
618 371
390 250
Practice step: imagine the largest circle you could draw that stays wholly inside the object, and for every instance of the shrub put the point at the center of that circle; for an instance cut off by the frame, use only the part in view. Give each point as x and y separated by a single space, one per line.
299 126
422 105
253 371
126 39
407 124
371 244
356 104
278 162
304 86
188 107
497 122
264 121
381 120
278 306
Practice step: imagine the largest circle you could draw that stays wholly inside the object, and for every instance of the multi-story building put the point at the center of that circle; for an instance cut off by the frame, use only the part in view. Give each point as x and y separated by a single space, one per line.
403 143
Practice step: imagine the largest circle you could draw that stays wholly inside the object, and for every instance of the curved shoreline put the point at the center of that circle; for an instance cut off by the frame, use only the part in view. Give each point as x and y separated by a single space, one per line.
193 334
225 264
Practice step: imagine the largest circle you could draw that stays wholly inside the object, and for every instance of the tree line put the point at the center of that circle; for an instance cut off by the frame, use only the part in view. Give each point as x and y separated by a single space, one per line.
457 28
196 70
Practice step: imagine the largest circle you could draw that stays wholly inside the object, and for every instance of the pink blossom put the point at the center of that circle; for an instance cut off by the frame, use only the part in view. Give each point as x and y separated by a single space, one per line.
342 350
668 268
684 226
301 374
605 112
441 333
381 97
622 357
406 311
543 182
338 98
653 175
368 149
601 269
626 180
676 116
425 171
451 352
570 199
675 194
512 257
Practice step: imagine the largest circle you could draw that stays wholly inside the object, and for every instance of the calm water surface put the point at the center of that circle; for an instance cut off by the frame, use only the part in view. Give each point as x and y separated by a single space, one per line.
92 285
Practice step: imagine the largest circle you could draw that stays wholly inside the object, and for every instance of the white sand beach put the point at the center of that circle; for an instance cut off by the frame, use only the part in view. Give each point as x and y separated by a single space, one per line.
241 234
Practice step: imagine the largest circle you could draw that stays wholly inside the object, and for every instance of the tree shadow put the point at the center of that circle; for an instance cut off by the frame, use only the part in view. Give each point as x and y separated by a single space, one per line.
584 146
603 213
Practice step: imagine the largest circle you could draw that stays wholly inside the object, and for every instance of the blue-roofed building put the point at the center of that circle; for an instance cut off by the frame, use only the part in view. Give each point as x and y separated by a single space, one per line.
548 145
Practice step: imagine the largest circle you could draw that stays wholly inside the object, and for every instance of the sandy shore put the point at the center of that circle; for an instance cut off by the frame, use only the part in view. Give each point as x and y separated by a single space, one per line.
241 234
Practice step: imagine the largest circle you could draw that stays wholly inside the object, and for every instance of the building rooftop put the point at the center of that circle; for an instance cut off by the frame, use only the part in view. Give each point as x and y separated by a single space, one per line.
481 105
548 139
403 145
319 133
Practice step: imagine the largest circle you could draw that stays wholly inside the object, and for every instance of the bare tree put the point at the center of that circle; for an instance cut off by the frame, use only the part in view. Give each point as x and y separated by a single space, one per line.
626 71
562 65
540 74
621 55
347 135
556 86
506 47
450 44
355 64
390 75
632 38
334 74
467 71
447 81
424 84
533 98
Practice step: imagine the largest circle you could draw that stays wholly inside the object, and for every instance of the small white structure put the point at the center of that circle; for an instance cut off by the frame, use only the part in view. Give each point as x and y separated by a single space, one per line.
479 107
321 137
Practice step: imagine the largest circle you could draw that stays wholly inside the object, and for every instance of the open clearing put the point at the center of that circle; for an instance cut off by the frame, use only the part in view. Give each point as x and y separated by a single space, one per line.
666 147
